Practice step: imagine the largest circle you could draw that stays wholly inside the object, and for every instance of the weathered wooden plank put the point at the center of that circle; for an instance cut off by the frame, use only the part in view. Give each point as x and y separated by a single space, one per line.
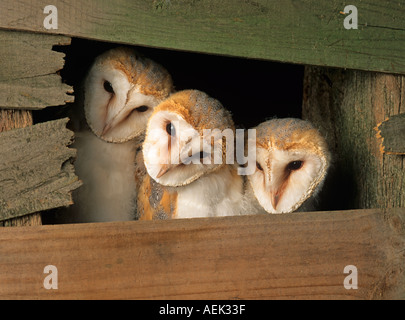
392 134
300 255
304 31
12 119
35 172
347 106
28 68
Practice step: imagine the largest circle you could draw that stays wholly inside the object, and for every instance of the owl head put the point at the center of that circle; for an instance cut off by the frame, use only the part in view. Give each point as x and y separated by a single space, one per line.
120 93
292 160
185 138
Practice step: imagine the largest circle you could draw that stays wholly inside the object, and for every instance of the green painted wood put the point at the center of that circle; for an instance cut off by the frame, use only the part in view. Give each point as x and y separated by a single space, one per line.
302 31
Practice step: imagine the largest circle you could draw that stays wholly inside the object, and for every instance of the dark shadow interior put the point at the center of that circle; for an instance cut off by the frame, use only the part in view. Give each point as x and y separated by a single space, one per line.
252 90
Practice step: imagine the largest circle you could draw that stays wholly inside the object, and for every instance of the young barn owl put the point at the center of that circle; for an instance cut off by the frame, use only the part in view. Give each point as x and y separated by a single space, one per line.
188 154
292 160
120 92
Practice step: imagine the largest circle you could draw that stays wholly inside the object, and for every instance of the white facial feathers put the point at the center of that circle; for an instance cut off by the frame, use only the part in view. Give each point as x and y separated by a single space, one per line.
292 161
176 150
121 91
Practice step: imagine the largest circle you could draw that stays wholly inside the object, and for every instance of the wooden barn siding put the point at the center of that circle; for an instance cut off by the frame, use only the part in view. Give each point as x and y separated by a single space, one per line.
162 259
392 133
294 256
306 31
35 171
28 71
348 107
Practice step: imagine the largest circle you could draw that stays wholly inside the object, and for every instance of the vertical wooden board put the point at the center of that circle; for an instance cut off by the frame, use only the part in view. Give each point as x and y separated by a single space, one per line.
304 31
28 71
35 171
296 256
347 106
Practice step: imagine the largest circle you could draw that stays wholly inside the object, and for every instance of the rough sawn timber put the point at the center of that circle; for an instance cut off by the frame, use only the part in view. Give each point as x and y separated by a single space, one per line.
13 119
35 169
290 256
301 31
347 106
392 134
28 71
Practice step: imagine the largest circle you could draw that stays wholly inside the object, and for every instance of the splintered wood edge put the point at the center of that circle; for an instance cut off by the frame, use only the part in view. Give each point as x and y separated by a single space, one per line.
37 191
385 137
379 137
34 85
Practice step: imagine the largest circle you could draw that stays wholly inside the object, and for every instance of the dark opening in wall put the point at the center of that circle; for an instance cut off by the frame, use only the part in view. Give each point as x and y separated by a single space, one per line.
253 90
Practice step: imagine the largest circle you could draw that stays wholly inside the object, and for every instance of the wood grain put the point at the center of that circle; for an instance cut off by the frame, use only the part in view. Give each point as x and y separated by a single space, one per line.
305 31
28 71
35 171
392 134
294 256
12 119
347 106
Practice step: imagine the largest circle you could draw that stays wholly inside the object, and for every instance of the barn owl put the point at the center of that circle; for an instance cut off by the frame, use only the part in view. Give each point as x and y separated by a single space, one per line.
292 160
188 157
120 92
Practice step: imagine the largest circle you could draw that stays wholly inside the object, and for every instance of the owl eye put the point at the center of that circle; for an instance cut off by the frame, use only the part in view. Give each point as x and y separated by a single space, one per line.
108 87
295 165
258 166
170 129
203 154
142 109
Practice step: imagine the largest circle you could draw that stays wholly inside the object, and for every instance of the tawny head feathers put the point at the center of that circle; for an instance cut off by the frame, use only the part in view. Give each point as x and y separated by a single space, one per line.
292 159
184 138
121 91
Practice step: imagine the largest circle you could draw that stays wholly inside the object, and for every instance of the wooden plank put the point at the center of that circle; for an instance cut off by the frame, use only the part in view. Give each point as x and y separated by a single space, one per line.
300 255
28 68
11 119
305 31
392 134
347 106
35 171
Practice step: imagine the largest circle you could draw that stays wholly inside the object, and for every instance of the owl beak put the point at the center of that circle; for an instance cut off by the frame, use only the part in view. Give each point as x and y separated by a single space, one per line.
278 186
277 193
275 199
115 118
163 170
106 128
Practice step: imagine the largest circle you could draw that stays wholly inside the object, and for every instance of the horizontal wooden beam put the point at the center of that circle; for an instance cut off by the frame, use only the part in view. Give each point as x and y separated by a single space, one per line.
391 133
35 172
300 255
305 32
28 71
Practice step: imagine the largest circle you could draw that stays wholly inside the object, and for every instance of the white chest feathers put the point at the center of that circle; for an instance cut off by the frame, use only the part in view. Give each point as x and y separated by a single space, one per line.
107 171
217 194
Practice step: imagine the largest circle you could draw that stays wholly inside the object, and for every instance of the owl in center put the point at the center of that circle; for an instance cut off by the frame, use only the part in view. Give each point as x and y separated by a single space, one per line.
186 151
